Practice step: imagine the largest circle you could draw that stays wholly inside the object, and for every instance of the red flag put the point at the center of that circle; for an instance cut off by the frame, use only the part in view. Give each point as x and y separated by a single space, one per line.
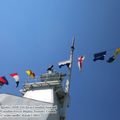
13 75
80 62
3 80
16 77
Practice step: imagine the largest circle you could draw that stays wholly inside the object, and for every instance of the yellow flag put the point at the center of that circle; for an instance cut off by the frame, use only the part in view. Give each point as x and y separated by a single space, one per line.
30 73
117 52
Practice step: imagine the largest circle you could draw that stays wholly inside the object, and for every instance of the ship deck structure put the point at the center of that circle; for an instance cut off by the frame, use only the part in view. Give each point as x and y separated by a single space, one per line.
47 99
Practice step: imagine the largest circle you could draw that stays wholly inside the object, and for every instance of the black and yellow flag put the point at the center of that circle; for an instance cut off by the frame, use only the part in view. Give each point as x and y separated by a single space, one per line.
111 59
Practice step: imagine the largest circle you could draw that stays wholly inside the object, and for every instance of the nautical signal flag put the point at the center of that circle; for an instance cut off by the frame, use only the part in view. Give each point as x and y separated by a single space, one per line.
3 81
16 77
99 56
80 62
111 59
63 63
30 73
117 52
50 68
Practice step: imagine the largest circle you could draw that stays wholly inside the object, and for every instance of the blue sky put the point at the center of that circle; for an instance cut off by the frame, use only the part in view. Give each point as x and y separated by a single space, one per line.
37 33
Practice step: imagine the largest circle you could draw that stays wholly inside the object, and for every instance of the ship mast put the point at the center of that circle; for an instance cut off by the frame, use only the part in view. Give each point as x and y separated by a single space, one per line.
68 82
71 63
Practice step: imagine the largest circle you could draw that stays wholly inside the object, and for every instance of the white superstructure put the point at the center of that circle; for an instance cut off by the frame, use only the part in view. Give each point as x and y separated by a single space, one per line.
49 90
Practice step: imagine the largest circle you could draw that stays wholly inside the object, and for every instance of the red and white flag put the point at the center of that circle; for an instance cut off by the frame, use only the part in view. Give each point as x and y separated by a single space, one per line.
16 77
80 62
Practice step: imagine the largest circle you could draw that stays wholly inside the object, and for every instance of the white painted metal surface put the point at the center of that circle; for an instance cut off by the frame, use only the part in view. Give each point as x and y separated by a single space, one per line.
11 100
45 95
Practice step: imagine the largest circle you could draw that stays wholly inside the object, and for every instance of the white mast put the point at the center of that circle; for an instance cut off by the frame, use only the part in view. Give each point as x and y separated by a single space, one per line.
71 63
68 82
